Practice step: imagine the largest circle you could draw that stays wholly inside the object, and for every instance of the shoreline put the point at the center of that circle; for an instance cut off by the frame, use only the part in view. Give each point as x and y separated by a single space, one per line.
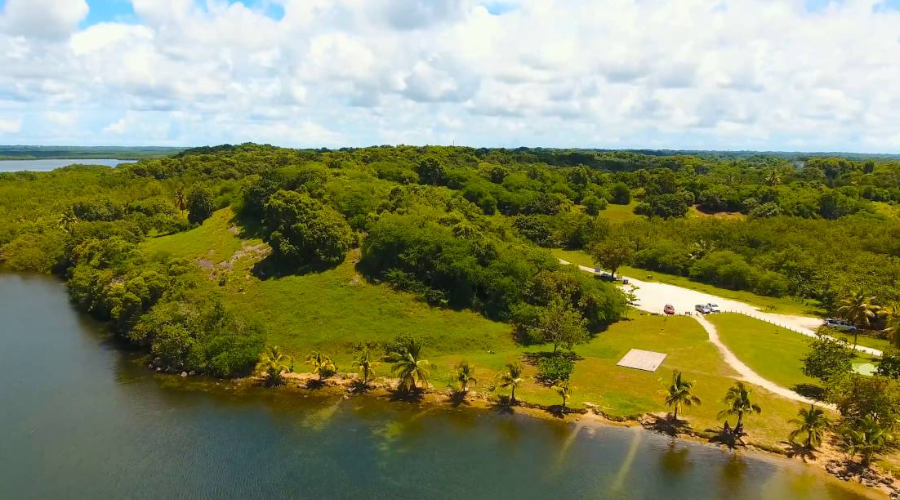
828 461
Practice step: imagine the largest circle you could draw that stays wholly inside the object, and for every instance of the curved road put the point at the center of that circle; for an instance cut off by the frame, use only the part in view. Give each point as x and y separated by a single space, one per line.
652 297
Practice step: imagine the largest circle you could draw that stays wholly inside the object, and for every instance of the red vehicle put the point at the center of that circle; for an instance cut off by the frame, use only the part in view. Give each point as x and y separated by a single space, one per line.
669 309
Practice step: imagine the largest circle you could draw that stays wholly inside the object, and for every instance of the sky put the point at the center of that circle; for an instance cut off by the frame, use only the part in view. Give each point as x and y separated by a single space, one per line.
785 75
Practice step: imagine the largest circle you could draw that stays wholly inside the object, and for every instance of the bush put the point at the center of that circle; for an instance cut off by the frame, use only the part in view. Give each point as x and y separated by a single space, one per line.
553 369
302 231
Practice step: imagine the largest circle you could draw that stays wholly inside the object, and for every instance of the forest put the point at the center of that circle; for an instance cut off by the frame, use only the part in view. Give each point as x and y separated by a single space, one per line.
461 228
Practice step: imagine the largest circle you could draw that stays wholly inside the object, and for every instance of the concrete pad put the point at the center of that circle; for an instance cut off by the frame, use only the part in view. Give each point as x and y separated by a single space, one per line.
647 361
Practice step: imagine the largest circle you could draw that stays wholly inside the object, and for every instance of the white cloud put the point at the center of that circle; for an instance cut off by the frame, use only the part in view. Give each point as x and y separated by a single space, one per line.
627 73
10 125
51 19
61 119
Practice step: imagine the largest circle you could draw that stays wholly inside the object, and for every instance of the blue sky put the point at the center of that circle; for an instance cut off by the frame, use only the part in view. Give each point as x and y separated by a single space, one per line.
695 74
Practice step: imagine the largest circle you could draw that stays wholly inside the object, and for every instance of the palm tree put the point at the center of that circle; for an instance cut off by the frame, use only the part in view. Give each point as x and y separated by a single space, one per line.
867 438
892 325
773 177
858 309
679 394
322 365
410 367
812 422
273 363
738 400
181 200
562 388
511 378
67 221
366 365
465 375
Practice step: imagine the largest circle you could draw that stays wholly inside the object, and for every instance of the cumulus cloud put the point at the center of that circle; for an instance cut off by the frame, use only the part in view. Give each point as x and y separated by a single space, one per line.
10 125
51 19
766 74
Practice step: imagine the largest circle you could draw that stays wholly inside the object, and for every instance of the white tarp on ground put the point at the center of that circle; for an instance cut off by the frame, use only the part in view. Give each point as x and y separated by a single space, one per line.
648 361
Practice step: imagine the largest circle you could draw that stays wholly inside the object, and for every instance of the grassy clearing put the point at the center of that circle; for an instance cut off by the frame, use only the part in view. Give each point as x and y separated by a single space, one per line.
782 305
620 213
216 240
866 340
335 309
771 351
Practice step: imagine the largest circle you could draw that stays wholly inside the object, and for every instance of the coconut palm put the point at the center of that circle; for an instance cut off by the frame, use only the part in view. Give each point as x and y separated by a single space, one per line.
892 324
812 423
465 375
867 438
511 378
410 367
67 221
321 364
562 388
679 394
273 362
859 309
366 365
181 200
738 400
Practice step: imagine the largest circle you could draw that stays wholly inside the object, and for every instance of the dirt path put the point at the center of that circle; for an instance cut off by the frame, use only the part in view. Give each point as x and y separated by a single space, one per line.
746 372
653 297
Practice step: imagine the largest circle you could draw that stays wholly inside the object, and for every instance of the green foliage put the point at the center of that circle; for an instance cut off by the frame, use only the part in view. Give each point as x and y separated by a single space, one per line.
302 231
737 402
868 438
512 376
322 365
200 204
620 194
812 424
828 359
889 364
680 394
859 396
564 390
552 369
561 325
613 253
465 375
273 362
409 366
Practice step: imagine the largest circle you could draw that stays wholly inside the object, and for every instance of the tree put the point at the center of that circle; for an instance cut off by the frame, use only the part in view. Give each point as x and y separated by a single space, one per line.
892 324
564 390
828 359
67 221
620 194
858 396
561 325
889 365
593 204
366 365
812 423
613 253
181 200
679 394
738 402
200 204
273 362
301 230
465 375
410 367
321 364
511 378
867 438
859 309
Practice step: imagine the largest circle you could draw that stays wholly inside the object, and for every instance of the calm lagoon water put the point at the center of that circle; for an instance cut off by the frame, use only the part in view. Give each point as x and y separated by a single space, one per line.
81 419
52 164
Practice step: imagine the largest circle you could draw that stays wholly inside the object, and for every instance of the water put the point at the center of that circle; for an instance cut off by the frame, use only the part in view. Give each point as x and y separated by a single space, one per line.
47 165
81 419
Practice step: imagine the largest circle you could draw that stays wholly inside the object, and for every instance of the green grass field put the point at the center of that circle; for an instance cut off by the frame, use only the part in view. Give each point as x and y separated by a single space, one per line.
771 351
620 213
335 309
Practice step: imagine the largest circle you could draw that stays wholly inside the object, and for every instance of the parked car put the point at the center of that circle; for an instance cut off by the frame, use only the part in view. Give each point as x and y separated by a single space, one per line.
702 308
839 324
669 309
713 308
